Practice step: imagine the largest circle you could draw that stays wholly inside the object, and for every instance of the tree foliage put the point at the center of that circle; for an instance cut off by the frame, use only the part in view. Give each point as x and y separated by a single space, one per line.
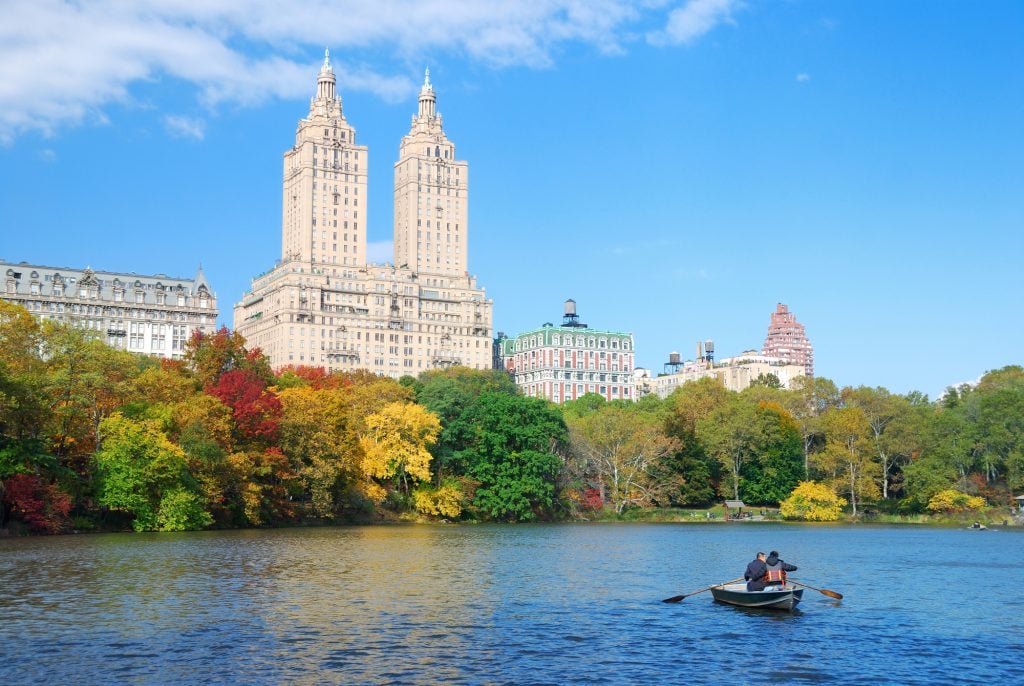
812 502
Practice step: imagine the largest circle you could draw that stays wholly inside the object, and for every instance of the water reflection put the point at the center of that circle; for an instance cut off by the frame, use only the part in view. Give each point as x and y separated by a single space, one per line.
492 604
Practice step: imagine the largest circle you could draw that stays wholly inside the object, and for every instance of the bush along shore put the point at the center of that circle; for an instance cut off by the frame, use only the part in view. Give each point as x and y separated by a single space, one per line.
94 438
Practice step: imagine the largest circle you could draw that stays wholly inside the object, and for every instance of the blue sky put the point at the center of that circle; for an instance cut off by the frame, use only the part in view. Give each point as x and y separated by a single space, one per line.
676 166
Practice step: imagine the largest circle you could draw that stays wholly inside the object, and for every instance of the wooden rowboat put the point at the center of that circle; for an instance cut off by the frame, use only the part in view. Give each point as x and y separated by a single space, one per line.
774 598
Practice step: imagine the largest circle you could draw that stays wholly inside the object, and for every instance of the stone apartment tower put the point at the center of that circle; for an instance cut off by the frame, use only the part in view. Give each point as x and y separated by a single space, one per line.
324 203
322 304
431 203
787 340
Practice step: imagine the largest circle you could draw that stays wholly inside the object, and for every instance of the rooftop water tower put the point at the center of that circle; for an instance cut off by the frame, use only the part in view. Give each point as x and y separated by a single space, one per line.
570 319
674 363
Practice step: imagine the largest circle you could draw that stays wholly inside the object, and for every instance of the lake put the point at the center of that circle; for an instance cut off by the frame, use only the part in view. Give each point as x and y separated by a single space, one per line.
537 604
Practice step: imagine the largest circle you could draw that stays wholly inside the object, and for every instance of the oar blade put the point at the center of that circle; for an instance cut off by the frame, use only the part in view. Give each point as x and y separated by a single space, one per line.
673 599
832 594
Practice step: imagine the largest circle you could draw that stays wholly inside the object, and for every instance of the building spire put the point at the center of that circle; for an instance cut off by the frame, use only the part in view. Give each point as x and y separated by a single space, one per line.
325 81
427 100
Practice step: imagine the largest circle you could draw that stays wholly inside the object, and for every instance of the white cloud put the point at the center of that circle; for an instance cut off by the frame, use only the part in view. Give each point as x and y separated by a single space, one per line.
63 62
185 127
803 77
693 20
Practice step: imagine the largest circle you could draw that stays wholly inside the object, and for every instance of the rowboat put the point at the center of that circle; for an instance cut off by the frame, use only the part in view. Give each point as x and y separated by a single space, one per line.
775 598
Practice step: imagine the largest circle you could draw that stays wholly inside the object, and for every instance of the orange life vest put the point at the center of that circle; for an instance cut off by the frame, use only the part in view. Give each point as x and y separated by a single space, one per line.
775 576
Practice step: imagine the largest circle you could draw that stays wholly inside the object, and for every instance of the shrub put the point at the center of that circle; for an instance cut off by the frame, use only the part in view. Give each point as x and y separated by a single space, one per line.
812 502
445 501
951 501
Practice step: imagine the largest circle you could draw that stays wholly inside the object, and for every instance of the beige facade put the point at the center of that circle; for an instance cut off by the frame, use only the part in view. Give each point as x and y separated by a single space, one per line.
152 315
323 305
324 203
431 201
735 373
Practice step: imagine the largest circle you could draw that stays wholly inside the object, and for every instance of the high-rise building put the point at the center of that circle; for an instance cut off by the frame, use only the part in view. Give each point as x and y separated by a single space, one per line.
152 315
431 203
323 304
324 203
787 340
564 362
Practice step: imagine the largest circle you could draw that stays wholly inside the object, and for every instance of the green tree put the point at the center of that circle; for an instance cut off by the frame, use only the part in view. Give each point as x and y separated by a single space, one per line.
512 454
140 472
730 434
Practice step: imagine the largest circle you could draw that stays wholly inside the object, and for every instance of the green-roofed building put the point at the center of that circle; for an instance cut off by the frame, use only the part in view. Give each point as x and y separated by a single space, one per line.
564 362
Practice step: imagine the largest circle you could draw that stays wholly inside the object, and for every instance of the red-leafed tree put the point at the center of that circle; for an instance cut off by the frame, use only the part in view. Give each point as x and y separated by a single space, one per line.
255 410
211 355
42 506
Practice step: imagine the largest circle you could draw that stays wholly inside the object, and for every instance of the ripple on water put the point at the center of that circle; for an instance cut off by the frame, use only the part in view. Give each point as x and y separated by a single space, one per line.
495 605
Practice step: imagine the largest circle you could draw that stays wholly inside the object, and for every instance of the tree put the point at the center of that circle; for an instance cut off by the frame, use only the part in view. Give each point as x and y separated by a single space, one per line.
625 448
140 472
777 465
811 396
319 437
880 409
813 502
449 394
511 454
209 356
730 435
951 501
395 443
42 506
256 411
847 454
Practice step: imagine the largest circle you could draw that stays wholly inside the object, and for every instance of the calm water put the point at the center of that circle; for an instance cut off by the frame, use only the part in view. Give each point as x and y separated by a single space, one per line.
554 604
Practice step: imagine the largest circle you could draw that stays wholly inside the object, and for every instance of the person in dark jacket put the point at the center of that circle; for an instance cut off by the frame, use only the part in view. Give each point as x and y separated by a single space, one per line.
756 571
776 569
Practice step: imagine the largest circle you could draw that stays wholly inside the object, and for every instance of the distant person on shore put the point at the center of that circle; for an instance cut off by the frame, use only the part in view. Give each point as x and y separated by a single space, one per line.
756 571
776 569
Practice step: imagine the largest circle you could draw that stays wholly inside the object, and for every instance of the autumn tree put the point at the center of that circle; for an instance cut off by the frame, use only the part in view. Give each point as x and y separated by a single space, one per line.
395 444
812 502
140 472
209 356
847 458
255 409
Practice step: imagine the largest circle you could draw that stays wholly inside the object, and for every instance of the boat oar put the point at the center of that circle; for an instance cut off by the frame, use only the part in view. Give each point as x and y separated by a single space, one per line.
677 598
823 591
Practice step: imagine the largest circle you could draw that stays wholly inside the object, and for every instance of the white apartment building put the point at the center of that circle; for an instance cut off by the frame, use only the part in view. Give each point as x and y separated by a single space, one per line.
152 315
323 304
735 373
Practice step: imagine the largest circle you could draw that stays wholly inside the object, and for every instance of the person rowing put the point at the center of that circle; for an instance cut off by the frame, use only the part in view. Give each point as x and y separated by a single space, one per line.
775 570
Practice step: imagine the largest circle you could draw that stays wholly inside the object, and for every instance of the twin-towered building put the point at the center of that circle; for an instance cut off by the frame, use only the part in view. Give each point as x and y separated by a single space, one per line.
323 304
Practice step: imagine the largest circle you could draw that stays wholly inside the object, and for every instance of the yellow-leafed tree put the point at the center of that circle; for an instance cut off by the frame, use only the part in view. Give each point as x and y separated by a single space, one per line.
395 444
952 501
812 502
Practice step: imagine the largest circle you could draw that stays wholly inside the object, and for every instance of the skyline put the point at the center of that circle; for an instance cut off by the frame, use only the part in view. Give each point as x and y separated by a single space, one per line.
861 166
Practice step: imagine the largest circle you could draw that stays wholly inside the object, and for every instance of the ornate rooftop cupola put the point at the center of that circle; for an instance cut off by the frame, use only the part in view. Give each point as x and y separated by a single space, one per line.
325 82
428 102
